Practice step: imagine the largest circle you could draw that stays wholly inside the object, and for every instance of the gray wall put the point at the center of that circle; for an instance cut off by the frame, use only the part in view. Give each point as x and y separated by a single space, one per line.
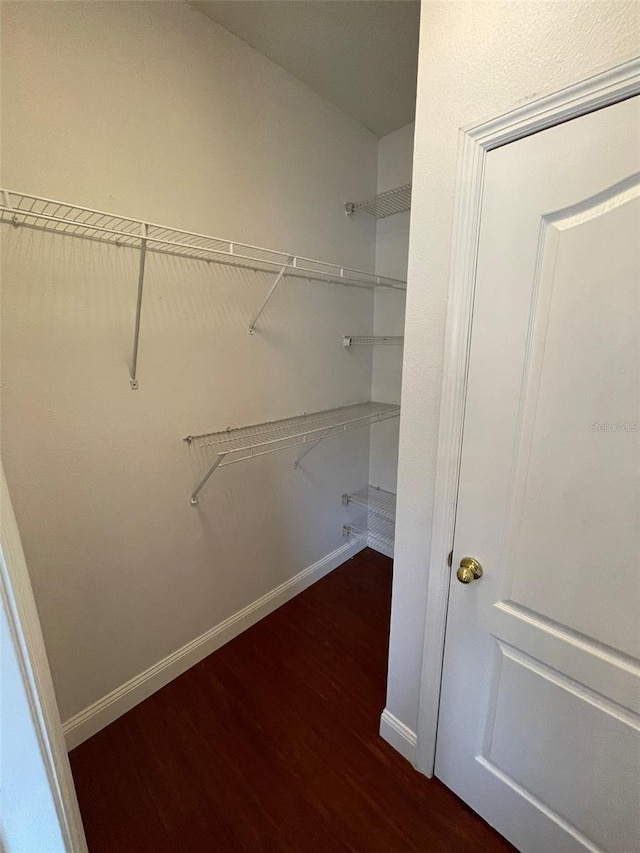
152 110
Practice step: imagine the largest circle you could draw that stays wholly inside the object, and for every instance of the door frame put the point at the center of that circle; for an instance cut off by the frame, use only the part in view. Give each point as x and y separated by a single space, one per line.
28 649
475 141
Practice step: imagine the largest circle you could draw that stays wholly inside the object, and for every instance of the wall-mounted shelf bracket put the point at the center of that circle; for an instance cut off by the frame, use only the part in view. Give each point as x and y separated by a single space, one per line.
6 201
301 456
273 289
194 495
133 381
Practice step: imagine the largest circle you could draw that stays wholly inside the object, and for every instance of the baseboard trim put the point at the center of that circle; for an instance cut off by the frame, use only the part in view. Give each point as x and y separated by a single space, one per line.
86 723
399 736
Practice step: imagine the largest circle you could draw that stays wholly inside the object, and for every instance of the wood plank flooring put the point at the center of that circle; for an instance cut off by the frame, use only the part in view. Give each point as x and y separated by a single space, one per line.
271 744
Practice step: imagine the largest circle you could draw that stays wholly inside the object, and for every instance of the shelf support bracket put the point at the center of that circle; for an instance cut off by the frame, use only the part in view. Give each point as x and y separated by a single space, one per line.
301 456
274 287
194 496
6 199
133 381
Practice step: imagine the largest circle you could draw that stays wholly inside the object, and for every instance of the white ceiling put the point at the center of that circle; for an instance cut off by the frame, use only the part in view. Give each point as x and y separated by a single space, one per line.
361 55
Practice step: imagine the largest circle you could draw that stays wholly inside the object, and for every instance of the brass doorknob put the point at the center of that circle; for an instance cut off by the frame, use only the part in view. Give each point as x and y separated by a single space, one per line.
470 570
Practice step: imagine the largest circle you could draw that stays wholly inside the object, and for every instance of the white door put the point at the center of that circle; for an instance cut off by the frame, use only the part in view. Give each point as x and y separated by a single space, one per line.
539 726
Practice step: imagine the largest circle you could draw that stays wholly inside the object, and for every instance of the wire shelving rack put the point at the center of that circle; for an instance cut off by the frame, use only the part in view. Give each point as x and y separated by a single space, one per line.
375 500
308 430
384 204
377 523
372 340
378 533
27 210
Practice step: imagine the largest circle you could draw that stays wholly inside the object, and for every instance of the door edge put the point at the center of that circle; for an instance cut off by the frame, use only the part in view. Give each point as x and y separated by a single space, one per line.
16 599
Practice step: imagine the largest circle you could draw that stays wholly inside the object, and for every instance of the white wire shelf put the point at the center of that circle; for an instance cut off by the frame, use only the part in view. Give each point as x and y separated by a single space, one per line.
375 500
372 340
71 219
242 443
384 204
61 217
377 522
377 532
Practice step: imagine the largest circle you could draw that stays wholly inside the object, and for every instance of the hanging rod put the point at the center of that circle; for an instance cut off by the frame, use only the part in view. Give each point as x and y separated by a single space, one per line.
371 340
247 442
384 204
31 211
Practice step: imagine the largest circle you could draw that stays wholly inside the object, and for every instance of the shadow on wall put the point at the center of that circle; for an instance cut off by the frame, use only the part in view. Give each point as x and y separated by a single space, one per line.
124 569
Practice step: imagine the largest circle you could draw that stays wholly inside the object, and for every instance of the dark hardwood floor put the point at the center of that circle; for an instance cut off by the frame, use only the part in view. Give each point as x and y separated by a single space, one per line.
271 744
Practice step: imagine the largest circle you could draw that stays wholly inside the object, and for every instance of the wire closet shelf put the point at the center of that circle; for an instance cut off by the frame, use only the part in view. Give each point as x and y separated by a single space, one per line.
372 340
376 521
74 220
60 217
375 500
242 443
375 531
384 204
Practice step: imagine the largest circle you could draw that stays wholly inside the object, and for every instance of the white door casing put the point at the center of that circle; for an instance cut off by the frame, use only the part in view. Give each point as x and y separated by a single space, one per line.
539 725
38 806
610 86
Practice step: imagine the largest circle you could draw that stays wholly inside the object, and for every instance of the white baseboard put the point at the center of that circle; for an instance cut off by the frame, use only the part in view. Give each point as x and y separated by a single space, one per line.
399 736
98 715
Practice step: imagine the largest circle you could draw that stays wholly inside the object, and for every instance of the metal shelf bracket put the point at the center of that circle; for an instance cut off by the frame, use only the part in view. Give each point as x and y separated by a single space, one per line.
133 381
6 200
273 289
301 456
194 495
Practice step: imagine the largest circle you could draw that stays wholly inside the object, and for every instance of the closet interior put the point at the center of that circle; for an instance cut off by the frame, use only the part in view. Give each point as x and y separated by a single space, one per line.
142 361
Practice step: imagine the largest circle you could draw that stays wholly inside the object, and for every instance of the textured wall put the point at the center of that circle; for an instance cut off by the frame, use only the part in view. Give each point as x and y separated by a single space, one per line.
151 110
476 60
